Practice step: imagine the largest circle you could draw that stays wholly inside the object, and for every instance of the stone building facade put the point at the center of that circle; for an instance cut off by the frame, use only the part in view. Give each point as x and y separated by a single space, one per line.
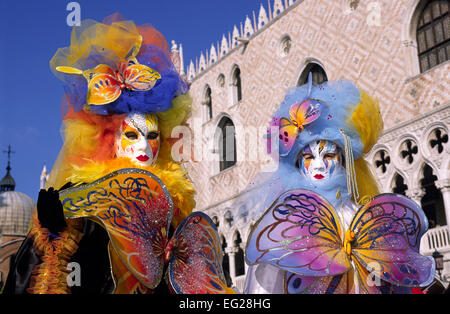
385 47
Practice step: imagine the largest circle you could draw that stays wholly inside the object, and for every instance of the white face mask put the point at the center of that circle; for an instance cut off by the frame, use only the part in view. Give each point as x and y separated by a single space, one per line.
320 160
139 139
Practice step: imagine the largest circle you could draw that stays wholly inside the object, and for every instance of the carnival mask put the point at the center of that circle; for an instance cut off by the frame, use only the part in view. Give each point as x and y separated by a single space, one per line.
139 139
320 160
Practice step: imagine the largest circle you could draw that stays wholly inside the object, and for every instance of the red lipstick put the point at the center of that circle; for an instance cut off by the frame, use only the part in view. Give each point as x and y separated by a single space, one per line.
319 176
142 158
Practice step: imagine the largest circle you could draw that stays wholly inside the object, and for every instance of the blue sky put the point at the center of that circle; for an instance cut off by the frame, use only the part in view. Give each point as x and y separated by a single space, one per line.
32 31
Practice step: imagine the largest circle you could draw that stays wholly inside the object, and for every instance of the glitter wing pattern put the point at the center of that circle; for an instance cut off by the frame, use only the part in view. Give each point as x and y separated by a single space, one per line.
299 233
339 284
301 114
195 266
135 208
387 232
124 281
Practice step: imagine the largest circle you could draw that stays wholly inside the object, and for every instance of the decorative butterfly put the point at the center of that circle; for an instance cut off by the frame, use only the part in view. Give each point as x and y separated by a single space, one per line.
136 209
105 84
301 233
300 115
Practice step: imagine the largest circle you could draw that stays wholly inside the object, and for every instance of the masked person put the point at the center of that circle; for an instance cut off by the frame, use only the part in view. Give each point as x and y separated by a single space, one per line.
116 214
324 227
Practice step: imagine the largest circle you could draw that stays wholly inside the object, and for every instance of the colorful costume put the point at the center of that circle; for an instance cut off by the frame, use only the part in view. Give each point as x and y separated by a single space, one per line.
324 227
126 204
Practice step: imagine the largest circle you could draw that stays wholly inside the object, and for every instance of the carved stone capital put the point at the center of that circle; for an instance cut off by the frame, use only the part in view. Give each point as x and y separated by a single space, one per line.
443 185
416 194
231 250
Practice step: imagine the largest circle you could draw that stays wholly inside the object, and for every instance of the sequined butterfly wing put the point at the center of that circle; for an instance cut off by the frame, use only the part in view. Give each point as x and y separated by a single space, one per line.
196 263
387 232
299 233
135 208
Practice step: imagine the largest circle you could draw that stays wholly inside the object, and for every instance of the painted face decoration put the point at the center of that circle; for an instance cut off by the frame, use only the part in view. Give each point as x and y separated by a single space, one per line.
139 139
320 160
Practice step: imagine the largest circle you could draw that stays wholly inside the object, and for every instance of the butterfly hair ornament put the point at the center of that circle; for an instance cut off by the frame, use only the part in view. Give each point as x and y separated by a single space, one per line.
300 114
105 84
117 67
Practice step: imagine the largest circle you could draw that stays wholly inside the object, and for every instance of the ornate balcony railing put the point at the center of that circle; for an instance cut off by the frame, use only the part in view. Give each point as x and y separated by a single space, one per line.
239 283
436 239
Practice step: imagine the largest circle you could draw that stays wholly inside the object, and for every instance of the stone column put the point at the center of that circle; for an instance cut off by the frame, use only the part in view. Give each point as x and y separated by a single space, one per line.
444 187
416 195
204 112
243 245
231 251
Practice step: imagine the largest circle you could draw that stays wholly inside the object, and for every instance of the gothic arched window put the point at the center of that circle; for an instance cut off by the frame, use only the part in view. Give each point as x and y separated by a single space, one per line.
226 143
317 72
225 262
432 202
236 85
239 262
208 103
399 185
433 34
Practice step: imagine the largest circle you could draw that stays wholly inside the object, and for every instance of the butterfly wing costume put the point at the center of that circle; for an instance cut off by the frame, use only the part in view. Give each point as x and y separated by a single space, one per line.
136 210
301 233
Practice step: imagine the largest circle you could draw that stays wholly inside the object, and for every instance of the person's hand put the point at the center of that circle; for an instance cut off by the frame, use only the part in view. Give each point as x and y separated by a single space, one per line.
50 211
